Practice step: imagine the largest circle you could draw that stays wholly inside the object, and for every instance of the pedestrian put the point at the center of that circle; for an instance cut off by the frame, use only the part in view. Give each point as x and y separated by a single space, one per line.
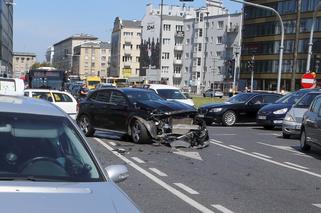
83 91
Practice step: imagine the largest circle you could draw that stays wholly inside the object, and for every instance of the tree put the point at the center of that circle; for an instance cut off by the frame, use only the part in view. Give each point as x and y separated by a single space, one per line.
38 65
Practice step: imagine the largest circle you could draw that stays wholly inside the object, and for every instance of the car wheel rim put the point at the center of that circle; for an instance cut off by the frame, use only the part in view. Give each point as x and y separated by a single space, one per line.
136 132
302 141
84 124
230 119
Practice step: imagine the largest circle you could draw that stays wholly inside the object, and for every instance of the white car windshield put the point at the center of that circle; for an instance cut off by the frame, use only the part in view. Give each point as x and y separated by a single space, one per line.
43 148
171 94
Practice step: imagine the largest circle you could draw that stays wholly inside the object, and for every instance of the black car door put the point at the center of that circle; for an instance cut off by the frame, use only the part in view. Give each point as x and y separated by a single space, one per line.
313 122
252 107
118 111
98 107
318 127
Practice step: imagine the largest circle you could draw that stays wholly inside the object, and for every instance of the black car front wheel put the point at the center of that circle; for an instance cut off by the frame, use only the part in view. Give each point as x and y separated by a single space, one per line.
229 118
303 142
86 126
139 132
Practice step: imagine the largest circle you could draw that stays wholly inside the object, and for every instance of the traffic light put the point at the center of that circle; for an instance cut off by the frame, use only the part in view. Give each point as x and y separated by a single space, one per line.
250 65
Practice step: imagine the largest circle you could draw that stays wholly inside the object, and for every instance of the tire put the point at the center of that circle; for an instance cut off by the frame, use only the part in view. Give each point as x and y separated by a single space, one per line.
86 126
139 133
268 127
304 147
204 95
229 118
286 136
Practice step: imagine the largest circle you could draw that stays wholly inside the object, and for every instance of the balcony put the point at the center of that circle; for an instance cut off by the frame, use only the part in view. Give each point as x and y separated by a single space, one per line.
180 34
233 29
127 51
128 39
127 63
177 75
178 62
178 47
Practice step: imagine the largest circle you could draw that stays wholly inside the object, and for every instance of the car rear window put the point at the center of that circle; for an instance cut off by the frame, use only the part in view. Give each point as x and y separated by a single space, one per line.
170 94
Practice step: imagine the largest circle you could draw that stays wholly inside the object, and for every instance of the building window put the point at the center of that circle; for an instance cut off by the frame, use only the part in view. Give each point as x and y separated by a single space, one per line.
199 61
166 41
188 27
137 47
220 25
188 41
186 55
165 56
200 32
199 47
139 34
179 28
167 27
137 59
201 17
165 69
219 40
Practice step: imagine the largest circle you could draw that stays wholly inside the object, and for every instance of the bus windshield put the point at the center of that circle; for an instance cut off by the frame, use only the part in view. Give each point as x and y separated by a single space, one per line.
46 79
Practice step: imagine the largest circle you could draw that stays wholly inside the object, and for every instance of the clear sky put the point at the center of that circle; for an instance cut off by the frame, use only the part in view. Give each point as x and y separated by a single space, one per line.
40 23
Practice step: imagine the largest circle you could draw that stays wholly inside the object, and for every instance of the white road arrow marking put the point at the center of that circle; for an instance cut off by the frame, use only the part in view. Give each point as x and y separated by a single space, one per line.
192 155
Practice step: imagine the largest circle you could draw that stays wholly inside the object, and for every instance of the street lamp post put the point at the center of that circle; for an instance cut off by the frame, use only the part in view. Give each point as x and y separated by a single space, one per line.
282 37
317 8
161 35
237 52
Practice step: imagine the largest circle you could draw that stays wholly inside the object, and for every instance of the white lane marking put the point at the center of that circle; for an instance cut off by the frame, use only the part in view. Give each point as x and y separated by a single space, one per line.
286 148
225 134
160 173
296 165
268 160
193 155
213 140
187 189
236 147
303 155
317 205
112 143
222 208
138 160
279 135
262 155
166 186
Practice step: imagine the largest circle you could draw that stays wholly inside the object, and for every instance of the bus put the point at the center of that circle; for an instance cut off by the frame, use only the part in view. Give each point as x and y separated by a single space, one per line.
118 82
92 82
46 79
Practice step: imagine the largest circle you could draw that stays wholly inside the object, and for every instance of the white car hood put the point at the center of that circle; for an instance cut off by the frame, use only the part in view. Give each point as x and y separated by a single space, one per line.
36 197
184 101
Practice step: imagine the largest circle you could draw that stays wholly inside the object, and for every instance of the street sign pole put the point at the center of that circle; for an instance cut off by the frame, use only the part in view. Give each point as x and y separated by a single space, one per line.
252 74
282 37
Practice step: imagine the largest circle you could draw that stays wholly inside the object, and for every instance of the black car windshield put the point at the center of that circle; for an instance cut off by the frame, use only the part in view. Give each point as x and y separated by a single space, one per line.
143 95
44 148
306 100
240 98
170 94
290 98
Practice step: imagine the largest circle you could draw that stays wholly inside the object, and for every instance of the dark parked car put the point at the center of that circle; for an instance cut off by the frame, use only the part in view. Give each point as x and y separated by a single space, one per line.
215 93
143 115
272 115
240 108
311 126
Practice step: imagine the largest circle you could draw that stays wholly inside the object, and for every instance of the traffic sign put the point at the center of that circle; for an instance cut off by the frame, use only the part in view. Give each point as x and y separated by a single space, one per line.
308 81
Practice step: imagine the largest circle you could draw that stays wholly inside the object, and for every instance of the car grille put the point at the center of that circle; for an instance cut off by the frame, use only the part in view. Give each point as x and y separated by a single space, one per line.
202 111
188 121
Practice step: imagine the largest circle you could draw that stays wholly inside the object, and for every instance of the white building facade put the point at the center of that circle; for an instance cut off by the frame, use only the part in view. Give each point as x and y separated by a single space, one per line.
211 49
168 69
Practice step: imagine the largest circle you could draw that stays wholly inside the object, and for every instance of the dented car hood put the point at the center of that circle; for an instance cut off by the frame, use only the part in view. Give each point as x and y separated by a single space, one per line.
165 107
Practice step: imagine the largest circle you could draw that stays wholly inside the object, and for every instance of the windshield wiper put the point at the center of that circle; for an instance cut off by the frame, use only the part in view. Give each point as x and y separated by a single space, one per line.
30 178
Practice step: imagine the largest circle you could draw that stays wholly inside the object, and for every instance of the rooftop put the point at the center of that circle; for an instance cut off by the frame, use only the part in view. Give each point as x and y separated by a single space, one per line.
131 23
78 37
24 54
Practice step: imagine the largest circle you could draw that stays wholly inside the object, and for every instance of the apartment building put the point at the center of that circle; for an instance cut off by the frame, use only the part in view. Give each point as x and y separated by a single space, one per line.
6 37
22 62
91 59
211 49
64 50
261 39
166 69
125 49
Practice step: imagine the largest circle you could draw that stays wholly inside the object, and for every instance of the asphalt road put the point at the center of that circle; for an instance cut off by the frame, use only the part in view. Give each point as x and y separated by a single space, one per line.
245 169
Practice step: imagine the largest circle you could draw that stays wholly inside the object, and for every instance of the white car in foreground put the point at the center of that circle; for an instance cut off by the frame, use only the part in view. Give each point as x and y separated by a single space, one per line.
171 93
63 100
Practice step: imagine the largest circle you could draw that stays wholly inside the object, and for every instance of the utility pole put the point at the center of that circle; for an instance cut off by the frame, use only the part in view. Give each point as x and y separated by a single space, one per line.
236 53
296 46
317 8
161 36
205 51
251 66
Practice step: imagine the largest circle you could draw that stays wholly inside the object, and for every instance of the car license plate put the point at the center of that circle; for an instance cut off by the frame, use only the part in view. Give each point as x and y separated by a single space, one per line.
278 122
262 117
201 116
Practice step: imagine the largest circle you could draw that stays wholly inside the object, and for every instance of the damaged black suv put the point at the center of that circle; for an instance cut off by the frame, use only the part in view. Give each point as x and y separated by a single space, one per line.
142 115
